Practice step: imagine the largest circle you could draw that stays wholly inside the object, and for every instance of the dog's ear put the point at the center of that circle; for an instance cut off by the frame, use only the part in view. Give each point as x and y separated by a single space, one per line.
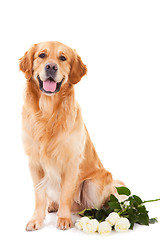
26 62
78 69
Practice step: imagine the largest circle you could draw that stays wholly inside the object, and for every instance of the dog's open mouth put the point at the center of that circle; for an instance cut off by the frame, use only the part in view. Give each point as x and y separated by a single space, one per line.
49 86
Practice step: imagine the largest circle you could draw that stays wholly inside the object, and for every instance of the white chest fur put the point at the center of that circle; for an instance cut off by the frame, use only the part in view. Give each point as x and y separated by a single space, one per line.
51 183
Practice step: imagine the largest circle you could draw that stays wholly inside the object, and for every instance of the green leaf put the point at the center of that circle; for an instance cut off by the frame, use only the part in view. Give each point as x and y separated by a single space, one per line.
131 211
143 219
142 209
100 215
114 205
135 204
137 199
113 198
88 213
153 220
123 191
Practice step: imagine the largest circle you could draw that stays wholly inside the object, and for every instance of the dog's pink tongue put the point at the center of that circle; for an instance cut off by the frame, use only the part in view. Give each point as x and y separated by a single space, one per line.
49 86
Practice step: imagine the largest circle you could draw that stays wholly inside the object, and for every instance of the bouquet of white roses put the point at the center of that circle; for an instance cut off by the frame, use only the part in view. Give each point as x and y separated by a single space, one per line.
120 216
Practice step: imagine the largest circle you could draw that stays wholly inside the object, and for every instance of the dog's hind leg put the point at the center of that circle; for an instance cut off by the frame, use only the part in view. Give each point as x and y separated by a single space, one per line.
53 207
97 190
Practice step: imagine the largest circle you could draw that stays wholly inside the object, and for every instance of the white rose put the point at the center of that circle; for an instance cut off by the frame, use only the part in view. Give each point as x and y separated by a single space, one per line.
79 224
122 225
104 228
112 218
90 226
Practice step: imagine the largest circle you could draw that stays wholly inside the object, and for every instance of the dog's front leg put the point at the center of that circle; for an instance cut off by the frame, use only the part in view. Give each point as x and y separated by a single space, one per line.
37 219
68 186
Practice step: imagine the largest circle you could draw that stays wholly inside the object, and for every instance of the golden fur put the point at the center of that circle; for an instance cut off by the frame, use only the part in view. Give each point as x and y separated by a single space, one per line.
66 171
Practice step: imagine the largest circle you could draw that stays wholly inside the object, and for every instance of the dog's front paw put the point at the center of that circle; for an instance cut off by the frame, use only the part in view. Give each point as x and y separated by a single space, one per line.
34 224
64 223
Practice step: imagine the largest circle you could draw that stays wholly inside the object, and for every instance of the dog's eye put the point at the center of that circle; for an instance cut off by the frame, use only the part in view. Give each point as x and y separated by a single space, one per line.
42 55
62 58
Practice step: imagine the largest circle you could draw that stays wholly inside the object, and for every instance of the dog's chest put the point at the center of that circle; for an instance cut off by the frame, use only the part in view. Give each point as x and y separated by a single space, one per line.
52 152
55 138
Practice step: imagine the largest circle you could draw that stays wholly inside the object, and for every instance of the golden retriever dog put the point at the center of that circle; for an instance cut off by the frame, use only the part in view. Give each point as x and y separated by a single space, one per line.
67 173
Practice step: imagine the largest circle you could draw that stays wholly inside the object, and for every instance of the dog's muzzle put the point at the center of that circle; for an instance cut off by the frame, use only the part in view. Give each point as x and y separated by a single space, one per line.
49 86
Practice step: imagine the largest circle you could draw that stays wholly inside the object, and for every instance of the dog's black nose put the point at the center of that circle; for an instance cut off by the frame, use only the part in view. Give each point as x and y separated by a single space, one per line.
51 69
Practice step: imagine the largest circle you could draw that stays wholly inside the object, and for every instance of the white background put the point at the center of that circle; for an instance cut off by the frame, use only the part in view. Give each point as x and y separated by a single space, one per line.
119 41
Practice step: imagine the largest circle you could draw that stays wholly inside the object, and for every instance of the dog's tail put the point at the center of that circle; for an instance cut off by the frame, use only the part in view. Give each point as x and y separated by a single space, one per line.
118 183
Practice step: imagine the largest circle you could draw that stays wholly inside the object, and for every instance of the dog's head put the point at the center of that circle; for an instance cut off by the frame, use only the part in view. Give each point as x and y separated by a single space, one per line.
52 64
